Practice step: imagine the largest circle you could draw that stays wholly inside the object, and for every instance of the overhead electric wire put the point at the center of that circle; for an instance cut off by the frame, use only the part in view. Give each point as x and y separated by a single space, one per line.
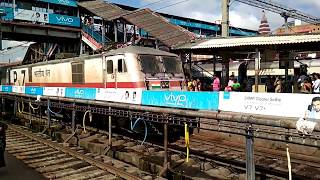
282 10
171 5
156 2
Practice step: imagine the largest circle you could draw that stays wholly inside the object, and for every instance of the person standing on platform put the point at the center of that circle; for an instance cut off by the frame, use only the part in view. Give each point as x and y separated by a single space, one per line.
216 83
199 85
236 85
316 84
278 85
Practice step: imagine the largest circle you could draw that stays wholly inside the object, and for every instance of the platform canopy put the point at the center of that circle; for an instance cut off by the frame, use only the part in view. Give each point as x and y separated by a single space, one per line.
157 26
151 22
298 42
106 11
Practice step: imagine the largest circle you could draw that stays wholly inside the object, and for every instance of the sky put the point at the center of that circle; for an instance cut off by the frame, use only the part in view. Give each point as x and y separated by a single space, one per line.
241 15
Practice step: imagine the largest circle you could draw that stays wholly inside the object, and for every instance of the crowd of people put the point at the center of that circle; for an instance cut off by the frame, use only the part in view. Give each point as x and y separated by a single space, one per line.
299 84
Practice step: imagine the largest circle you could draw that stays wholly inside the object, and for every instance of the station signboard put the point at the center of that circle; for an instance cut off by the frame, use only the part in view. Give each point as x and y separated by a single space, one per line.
132 96
182 99
81 93
32 90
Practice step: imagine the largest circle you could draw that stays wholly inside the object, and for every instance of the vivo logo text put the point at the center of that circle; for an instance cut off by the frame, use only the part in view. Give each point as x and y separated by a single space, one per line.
62 19
64 1
176 100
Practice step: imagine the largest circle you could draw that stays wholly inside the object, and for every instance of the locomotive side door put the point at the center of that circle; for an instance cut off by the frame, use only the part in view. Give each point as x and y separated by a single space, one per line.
114 67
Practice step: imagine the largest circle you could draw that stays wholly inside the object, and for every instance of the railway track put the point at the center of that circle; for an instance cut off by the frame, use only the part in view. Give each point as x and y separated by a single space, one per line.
54 161
269 163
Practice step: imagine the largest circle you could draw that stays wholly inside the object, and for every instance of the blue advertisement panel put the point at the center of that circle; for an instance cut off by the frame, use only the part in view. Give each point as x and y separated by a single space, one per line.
8 13
64 20
6 88
193 24
182 99
72 3
81 93
34 90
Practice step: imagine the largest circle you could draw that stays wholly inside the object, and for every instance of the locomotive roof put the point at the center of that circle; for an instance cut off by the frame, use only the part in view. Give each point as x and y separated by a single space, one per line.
139 50
129 49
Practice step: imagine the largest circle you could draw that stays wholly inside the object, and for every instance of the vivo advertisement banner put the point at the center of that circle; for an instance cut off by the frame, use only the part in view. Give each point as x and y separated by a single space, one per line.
18 89
64 20
6 88
8 13
81 93
181 99
34 90
274 104
132 96
62 2
54 91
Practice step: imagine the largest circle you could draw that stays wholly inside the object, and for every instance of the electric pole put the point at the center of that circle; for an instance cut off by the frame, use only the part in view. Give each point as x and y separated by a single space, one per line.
225 33
225 18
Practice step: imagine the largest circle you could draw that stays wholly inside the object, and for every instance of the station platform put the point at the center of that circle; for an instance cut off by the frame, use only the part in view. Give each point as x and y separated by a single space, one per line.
17 170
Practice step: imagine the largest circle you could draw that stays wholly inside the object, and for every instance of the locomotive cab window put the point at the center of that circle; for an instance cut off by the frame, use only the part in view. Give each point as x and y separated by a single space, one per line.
109 67
122 68
77 73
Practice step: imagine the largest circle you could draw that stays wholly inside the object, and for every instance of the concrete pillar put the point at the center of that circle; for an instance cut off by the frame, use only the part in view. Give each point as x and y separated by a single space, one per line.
115 31
124 32
103 32
256 69
225 71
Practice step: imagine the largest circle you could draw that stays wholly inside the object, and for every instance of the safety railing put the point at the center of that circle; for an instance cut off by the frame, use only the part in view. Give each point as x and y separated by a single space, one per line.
95 34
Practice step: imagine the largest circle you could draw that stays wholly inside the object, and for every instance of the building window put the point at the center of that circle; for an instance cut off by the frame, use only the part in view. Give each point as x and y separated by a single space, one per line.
109 67
122 66
77 73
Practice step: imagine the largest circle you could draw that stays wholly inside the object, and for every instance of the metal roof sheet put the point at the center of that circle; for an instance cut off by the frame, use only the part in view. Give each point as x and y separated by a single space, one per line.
107 11
250 41
158 27
139 50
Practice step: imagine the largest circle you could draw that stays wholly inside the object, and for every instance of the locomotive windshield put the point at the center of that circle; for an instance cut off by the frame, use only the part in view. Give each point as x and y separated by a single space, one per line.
172 64
151 64
160 64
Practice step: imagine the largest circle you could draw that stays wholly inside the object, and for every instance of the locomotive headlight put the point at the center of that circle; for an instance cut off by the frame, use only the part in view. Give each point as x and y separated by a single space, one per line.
165 84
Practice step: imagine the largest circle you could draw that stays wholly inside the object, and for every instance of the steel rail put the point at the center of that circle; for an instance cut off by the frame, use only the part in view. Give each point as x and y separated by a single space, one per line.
101 165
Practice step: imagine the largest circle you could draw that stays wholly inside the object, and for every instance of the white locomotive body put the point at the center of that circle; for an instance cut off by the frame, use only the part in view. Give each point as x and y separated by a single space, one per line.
130 67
